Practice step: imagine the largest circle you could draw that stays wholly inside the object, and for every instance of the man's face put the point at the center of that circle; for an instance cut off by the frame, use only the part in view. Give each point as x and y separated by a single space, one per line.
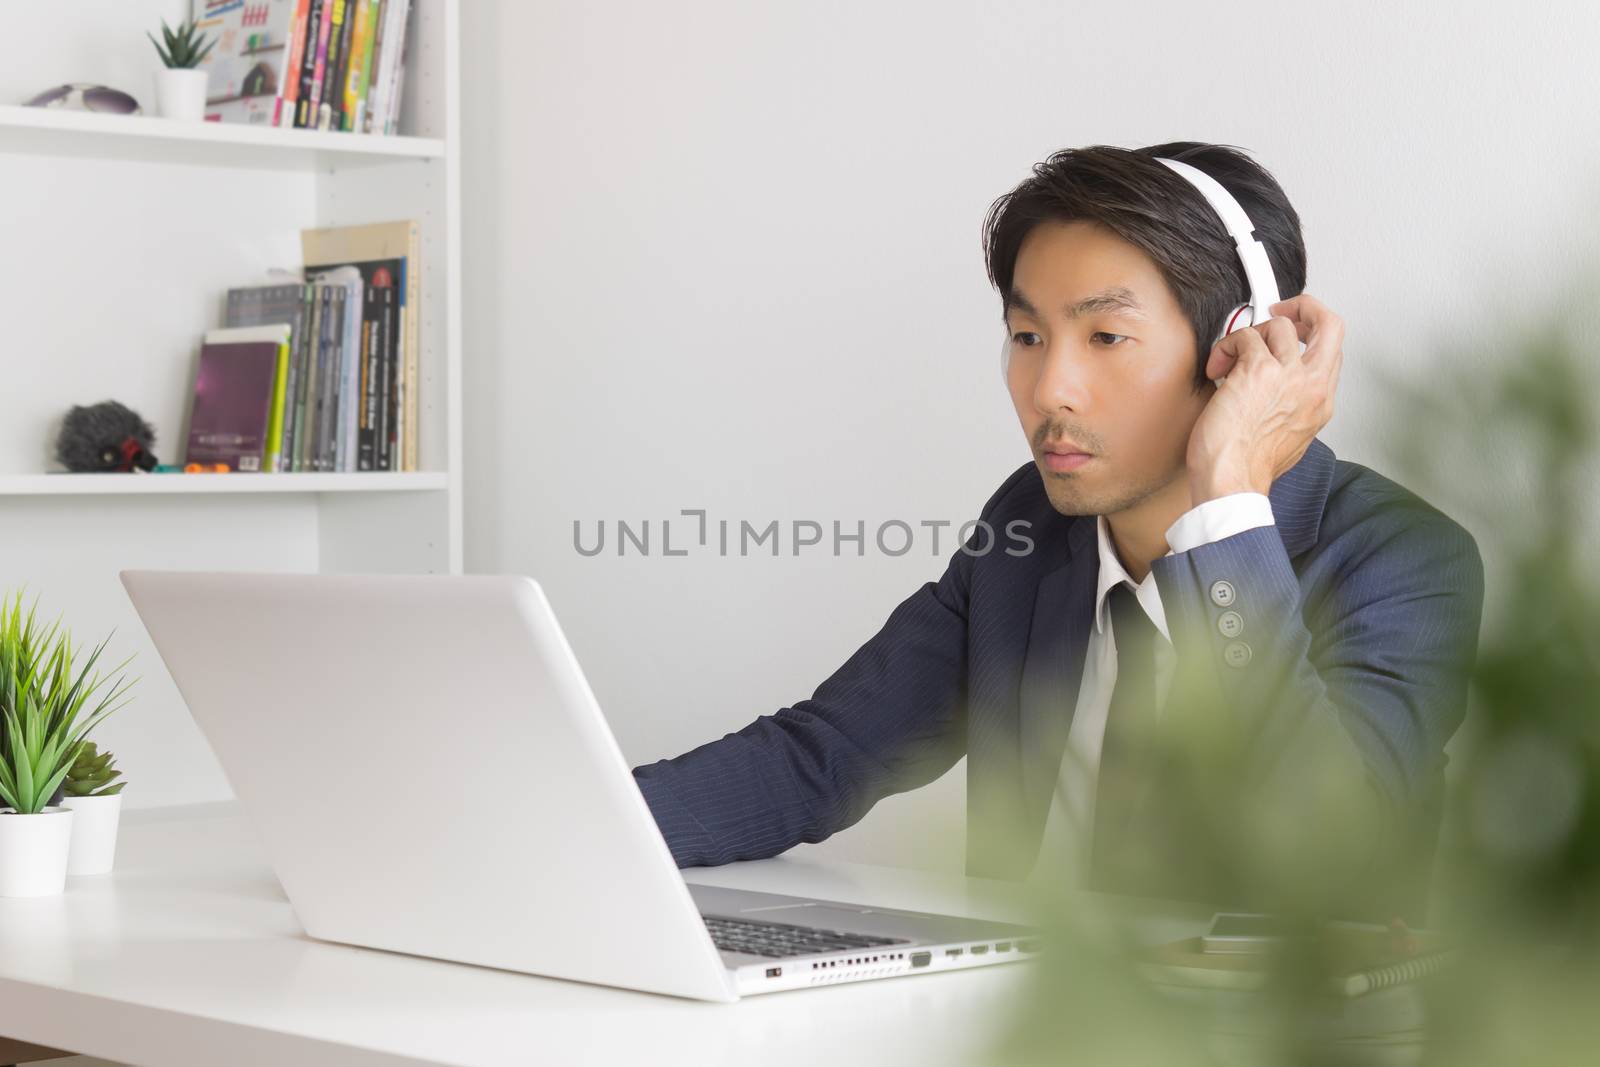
1105 391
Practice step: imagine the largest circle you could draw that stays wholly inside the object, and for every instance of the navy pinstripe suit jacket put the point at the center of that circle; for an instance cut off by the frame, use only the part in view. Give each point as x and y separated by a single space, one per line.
1361 606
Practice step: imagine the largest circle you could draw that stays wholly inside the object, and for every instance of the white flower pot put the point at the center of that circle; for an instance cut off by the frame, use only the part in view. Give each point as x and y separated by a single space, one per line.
181 93
33 852
94 833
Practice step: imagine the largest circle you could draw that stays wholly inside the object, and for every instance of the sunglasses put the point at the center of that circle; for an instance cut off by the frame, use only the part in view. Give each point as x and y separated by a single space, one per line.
80 96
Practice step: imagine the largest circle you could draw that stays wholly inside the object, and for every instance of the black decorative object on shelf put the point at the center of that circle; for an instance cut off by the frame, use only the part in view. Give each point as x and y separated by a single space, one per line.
107 436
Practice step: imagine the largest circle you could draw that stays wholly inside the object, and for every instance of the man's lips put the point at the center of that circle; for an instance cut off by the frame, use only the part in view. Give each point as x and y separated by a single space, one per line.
1065 456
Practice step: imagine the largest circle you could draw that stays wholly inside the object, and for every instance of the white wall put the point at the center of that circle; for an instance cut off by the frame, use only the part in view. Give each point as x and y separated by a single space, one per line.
726 255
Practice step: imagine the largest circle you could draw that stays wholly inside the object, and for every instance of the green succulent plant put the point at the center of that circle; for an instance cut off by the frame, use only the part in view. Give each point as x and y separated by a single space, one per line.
92 773
184 45
48 703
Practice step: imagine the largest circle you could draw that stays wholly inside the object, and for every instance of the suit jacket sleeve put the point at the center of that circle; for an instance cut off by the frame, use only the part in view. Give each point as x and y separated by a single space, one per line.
892 718
1355 685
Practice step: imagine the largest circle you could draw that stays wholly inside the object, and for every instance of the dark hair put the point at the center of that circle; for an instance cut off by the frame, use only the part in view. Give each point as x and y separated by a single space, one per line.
1142 201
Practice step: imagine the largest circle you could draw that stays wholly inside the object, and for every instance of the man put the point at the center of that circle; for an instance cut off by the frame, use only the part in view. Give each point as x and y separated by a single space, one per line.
1203 579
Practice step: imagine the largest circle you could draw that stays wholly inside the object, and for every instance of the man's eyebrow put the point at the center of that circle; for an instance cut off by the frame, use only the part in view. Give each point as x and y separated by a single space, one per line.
1115 299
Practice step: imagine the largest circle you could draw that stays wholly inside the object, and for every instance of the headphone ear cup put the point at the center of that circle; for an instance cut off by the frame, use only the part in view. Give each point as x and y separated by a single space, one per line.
1237 319
1005 361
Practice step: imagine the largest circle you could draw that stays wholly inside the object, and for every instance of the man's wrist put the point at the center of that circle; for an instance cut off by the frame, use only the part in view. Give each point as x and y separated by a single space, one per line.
1225 477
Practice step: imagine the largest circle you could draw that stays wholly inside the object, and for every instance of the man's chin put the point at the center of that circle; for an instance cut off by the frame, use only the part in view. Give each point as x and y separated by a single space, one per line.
1066 492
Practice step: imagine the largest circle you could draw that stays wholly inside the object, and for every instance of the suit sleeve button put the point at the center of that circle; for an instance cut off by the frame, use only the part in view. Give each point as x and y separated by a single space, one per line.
1236 654
1222 593
1230 624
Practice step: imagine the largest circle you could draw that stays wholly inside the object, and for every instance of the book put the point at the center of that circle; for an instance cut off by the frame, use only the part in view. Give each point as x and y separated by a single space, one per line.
398 89
306 391
315 10
328 375
319 64
345 372
386 254
368 376
248 67
235 416
289 97
310 449
301 358
387 323
271 456
370 91
266 305
339 47
385 104
355 84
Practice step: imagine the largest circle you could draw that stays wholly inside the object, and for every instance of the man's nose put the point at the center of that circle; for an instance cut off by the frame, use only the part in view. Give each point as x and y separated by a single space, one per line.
1064 380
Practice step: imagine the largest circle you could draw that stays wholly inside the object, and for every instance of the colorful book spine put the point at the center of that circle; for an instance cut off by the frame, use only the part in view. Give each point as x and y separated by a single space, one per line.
360 54
289 94
394 32
320 63
386 338
328 387
314 397
338 51
306 396
308 62
274 449
398 92
370 92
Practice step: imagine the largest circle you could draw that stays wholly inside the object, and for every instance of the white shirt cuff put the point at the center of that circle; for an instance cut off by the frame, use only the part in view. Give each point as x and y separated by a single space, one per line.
1215 519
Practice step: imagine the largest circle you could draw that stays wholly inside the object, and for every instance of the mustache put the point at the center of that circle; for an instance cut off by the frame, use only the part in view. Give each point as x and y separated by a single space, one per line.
1052 430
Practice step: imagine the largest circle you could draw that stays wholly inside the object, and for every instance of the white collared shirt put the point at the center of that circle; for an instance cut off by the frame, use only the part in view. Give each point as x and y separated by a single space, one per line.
1064 849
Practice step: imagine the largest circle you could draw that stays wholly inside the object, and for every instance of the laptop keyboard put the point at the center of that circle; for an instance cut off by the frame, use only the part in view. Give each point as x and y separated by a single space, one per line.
776 940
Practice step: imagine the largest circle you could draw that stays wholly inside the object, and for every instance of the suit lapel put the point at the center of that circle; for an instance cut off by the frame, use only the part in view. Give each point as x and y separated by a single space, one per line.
1063 613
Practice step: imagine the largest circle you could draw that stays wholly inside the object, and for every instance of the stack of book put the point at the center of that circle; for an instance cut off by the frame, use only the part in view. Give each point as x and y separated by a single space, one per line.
335 389
313 64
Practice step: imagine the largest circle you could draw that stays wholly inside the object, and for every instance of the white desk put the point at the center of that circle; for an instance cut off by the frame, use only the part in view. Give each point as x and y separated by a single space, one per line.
189 954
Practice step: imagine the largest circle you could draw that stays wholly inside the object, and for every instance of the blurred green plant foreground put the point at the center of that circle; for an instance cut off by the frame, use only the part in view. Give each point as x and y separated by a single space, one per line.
1516 883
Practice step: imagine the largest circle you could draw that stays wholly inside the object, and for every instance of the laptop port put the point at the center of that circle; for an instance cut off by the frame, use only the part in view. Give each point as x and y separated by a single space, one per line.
773 972
1002 946
978 950
921 959
1027 946
954 951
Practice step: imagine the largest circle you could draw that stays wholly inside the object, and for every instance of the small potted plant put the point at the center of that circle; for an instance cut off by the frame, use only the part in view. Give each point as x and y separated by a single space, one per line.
95 800
47 704
180 85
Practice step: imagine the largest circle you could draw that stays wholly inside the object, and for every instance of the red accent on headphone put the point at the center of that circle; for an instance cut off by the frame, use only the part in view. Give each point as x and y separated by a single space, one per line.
1235 318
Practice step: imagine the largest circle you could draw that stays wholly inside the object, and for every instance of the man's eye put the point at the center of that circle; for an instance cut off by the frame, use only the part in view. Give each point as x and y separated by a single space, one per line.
1102 333
1018 338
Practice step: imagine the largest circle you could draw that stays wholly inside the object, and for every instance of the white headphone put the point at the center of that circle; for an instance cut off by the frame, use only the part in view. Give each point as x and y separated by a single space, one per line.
1252 253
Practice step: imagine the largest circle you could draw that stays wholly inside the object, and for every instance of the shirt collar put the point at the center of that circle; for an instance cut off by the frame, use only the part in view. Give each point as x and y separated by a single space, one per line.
1113 573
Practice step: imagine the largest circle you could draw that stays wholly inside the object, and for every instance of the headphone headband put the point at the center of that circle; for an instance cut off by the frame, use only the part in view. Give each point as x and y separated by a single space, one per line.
1252 253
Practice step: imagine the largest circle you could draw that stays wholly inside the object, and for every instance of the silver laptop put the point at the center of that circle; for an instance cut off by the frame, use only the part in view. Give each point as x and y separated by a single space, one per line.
431 774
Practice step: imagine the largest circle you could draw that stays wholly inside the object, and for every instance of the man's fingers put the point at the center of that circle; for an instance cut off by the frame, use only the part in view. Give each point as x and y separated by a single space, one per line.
1240 348
1318 326
1302 308
1219 363
1282 339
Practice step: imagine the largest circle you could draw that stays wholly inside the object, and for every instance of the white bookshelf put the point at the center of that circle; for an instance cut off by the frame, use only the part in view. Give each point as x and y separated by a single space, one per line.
168 484
119 236
142 137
